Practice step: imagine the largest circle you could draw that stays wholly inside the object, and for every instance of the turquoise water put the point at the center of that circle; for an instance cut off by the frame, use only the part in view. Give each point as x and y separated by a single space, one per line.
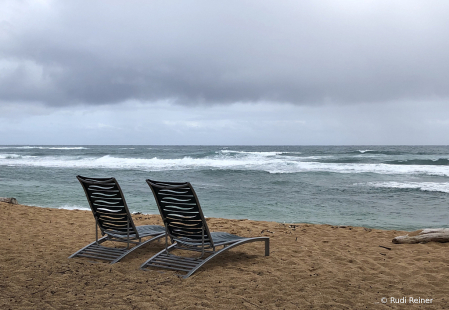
392 187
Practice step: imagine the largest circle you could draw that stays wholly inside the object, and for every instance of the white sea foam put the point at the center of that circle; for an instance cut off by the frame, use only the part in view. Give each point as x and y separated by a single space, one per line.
424 186
271 162
251 153
67 207
45 147
10 156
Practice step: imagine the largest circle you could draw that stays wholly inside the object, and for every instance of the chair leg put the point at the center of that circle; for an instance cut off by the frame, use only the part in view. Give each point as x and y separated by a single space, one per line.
267 247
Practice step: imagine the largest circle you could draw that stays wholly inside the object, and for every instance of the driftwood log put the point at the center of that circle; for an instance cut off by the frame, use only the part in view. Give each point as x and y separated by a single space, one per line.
424 236
9 200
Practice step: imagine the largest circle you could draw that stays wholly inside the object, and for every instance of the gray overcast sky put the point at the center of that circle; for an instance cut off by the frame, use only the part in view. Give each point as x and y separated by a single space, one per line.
224 72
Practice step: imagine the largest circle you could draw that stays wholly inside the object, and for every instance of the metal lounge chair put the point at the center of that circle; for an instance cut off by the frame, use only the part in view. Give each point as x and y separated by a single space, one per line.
114 220
187 228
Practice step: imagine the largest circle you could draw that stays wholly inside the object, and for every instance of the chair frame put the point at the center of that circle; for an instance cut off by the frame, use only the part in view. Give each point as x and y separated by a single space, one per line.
112 216
187 229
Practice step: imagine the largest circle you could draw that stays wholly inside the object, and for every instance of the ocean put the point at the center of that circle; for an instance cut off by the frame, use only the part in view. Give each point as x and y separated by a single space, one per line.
387 187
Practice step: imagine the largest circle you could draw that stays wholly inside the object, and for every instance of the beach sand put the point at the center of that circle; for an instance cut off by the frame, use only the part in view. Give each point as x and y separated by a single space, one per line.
309 267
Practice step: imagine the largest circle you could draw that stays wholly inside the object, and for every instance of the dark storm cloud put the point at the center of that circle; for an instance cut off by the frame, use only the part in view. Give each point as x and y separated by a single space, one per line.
62 52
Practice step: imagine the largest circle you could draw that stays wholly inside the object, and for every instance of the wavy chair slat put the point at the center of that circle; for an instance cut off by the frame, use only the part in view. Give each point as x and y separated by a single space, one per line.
193 225
123 223
173 215
165 200
181 213
112 215
110 211
101 186
177 196
108 204
116 226
108 226
180 200
178 205
108 201
105 197
114 220
103 191
187 229
184 220
104 211
177 208
180 209
109 207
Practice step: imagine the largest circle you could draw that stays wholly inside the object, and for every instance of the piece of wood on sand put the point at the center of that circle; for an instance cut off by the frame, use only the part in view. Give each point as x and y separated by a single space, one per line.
424 236
9 200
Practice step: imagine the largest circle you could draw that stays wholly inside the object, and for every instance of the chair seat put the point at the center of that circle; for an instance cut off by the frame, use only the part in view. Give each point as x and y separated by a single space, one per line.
150 230
218 238
143 231
221 238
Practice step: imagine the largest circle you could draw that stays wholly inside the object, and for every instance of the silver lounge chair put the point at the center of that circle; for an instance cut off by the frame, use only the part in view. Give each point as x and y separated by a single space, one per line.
187 228
114 220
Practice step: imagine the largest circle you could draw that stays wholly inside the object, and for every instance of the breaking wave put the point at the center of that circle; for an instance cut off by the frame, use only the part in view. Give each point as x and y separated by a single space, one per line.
271 162
423 186
45 147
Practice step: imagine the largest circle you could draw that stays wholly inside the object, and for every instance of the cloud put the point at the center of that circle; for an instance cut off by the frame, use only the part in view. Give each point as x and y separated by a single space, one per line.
166 123
208 52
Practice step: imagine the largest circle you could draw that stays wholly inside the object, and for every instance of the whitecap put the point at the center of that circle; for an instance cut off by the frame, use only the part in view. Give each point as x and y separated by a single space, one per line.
365 151
69 207
10 156
46 147
423 186
257 161
251 153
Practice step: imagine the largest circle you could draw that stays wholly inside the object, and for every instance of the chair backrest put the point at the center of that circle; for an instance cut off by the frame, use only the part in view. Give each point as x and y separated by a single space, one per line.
181 212
109 207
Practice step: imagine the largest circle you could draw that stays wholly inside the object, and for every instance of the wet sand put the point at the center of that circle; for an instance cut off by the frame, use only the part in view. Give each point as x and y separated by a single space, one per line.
309 267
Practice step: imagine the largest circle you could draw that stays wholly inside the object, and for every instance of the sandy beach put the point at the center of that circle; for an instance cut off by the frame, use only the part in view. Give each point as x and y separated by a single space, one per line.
309 267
